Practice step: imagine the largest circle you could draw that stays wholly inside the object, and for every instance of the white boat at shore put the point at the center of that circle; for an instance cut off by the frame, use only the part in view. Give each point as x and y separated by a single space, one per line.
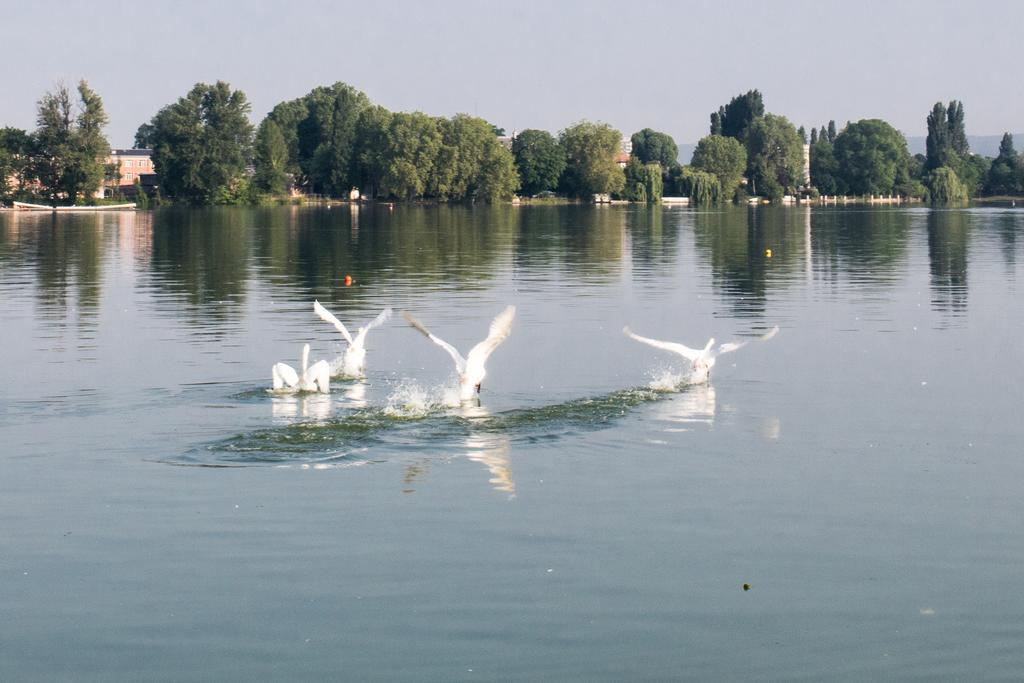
25 206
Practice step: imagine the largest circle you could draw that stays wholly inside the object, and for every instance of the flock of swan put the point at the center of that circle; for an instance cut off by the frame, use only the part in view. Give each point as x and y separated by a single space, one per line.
471 368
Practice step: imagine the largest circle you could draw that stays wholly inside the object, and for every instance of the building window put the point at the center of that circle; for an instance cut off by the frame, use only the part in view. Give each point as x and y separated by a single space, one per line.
128 176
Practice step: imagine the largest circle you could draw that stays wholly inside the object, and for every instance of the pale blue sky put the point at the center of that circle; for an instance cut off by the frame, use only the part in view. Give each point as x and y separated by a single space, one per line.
664 65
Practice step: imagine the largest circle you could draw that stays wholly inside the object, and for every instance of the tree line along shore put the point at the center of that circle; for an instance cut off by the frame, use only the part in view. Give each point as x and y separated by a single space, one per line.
335 142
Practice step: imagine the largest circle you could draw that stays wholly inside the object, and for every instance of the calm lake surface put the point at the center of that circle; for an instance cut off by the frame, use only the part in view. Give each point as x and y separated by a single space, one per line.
165 518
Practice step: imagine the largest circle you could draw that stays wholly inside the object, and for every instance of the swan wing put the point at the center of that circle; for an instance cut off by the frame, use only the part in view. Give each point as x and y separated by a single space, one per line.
684 351
460 362
733 346
729 347
497 333
381 318
284 375
319 373
327 316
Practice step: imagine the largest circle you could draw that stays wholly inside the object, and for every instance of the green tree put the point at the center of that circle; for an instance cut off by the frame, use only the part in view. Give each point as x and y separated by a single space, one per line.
643 182
144 136
945 187
650 146
723 157
70 151
320 131
202 144
411 152
775 156
908 183
498 179
15 164
971 169
947 146
869 154
701 187
540 160
271 159
112 178
141 198
957 131
937 144
824 168
288 116
332 159
705 189
734 120
370 145
590 152
1004 176
471 162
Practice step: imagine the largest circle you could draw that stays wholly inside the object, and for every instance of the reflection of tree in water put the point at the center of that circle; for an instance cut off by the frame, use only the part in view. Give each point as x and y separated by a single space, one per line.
415 473
67 253
948 235
865 245
314 249
1008 224
583 238
654 237
735 241
201 258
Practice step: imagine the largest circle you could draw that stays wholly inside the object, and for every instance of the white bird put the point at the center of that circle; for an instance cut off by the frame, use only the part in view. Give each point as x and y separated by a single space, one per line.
471 368
316 377
353 362
703 359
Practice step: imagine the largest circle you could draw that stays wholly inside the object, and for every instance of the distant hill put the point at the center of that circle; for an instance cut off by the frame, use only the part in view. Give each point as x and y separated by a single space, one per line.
985 145
686 152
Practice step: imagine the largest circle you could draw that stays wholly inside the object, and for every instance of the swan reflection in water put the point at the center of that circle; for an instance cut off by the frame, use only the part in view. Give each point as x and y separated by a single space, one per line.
488 448
355 395
491 450
310 406
693 405
771 428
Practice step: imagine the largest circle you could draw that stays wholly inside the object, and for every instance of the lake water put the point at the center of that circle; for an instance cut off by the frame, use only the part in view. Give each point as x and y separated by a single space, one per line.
164 517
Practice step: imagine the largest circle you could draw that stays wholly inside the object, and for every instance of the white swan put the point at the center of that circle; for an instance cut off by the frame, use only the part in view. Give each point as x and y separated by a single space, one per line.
316 377
353 363
471 368
702 360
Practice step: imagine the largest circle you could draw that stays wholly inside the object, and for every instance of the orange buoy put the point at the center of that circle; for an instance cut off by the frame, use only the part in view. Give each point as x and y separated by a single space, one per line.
348 280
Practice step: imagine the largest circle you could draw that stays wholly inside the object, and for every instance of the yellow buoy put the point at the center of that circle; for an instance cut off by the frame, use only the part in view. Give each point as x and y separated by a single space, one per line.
768 253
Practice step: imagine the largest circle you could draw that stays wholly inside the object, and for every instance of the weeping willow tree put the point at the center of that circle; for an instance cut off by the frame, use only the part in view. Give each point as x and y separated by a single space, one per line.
945 187
637 192
704 188
643 182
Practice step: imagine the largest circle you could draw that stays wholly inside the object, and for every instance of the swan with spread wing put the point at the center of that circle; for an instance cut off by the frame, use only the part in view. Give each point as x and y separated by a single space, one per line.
353 362
471 368
702 360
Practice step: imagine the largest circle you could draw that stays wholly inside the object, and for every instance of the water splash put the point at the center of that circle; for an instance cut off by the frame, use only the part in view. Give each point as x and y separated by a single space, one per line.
667 380
411 401
419 415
